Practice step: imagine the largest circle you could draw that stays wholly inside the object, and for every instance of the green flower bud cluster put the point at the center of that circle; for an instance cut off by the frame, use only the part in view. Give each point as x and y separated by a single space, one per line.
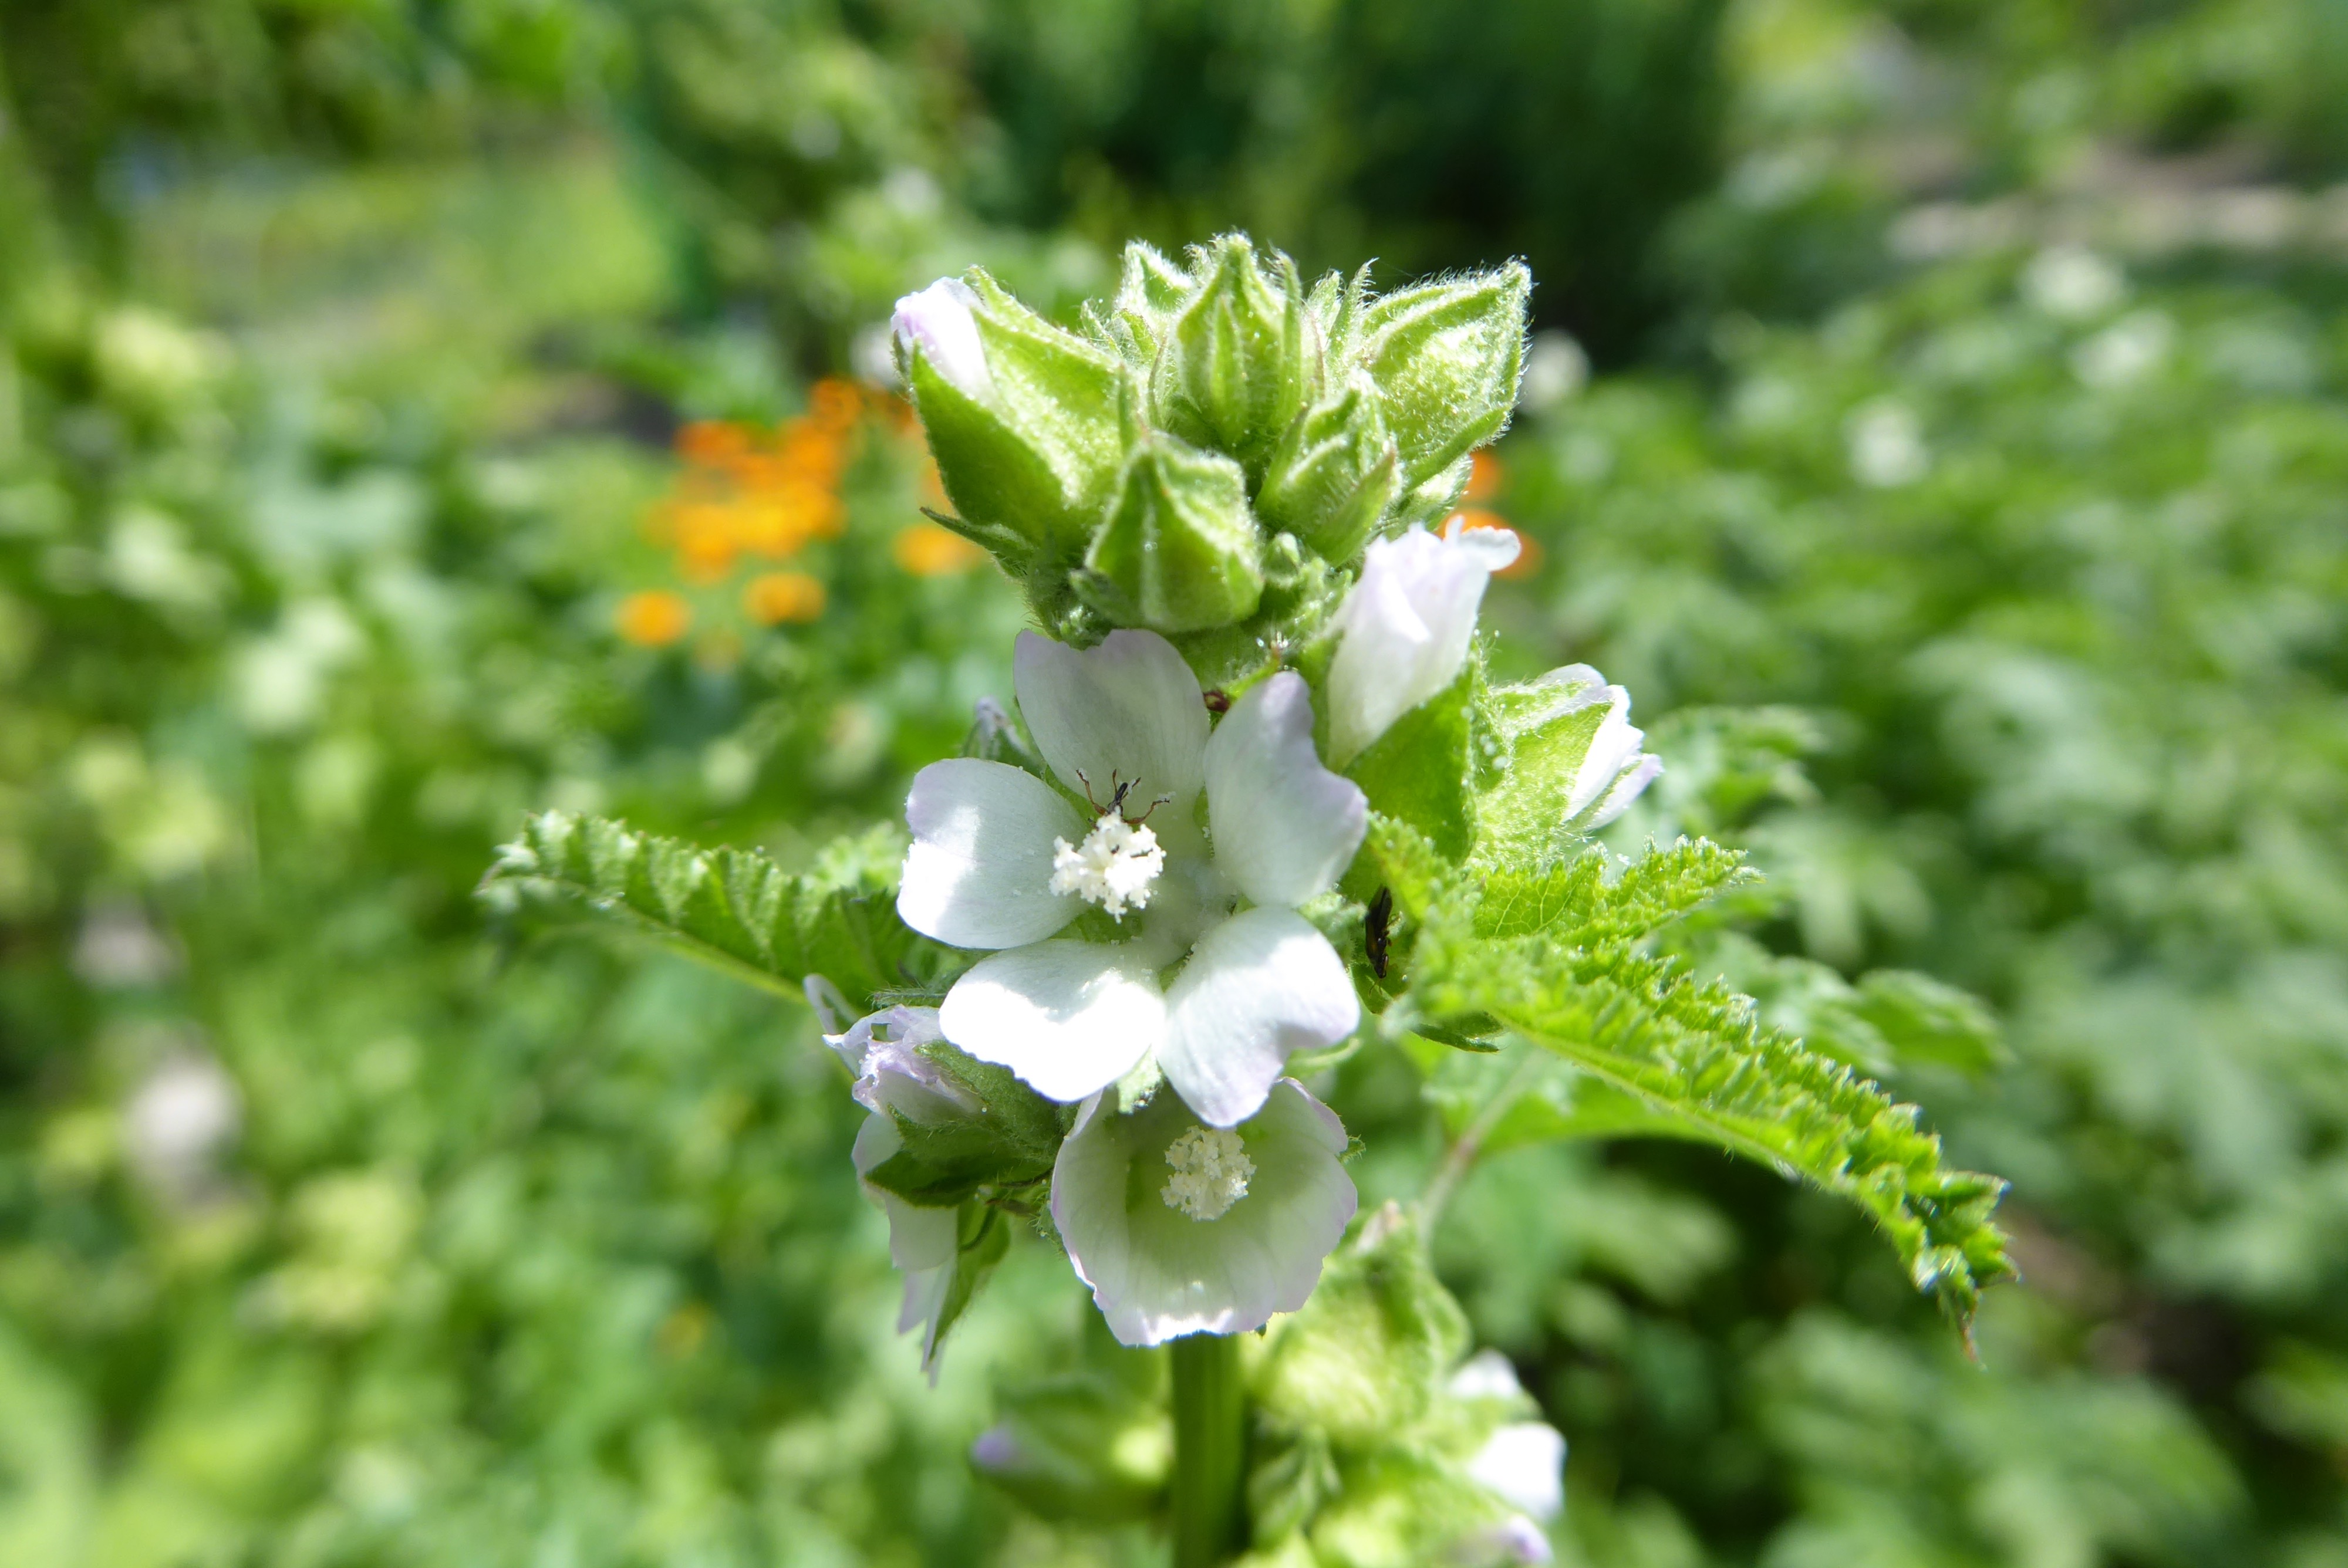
1218 440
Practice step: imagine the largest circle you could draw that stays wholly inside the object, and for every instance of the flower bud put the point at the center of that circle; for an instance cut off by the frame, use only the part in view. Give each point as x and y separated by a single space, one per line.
883 1050
1150 292
1446 357
1022 417
1232 371
1404 630
1178 551
943 1124
1332 476
1575 761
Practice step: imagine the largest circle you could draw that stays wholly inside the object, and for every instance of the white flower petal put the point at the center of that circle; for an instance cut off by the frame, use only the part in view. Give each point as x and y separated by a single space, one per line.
919 1237
1486 1375
1129 707
1069 1016
1632 784
1259 986
1614 750
939 322
1524 1465
979 874
1495 550
1286 826
1405 630
1156 1273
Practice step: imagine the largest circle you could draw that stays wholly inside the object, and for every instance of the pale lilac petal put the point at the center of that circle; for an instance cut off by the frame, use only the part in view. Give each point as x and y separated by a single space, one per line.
1403 631
940 323
1286 826
1259 986
891 1074
979 874
1129 707
1156 1273
1523 1464
1069 1018
1516 1540
919 1239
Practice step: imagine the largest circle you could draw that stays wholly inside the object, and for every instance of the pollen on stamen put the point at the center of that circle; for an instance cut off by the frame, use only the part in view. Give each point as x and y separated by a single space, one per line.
1210 1173
1115 866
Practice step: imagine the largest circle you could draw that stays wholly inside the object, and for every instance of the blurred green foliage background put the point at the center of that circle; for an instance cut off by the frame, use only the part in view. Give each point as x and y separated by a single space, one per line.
1962 488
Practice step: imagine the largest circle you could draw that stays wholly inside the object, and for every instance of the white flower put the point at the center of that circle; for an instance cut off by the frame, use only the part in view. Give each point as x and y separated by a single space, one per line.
1886 446
2125 352
1615 768
183 1114
939 323
1181 1228
1002 860
1523 1464
1403 631
923 1243
2072 283
891 1075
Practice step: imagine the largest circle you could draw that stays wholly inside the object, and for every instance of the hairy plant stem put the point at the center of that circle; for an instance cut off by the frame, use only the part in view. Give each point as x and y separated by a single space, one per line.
1210 1449
1460 1157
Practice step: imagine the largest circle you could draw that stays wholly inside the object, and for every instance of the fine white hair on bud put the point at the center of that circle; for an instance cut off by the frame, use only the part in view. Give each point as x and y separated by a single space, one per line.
1115 866
1211 1170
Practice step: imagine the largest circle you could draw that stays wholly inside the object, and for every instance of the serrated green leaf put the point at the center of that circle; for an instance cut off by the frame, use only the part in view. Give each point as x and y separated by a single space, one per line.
732 908
1576 903
1693 1055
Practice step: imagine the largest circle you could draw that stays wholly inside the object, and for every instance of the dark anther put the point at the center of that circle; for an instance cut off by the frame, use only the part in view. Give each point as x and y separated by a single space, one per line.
1217 701
1375 931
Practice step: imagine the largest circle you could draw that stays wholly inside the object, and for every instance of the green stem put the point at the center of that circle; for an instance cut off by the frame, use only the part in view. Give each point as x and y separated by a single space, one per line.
1210 1443
1460 1157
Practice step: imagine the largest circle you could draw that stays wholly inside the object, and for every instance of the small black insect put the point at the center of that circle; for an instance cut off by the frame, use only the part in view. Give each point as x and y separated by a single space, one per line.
1118 797
1375 922
1219 700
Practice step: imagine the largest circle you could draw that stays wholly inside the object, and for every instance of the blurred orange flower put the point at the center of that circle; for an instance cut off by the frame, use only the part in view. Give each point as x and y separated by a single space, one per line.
1485 478
653 618
772 598
925 549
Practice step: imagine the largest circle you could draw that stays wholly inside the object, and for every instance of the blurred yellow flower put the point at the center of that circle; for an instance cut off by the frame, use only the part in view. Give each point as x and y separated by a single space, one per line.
774 596
925 549
653 618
